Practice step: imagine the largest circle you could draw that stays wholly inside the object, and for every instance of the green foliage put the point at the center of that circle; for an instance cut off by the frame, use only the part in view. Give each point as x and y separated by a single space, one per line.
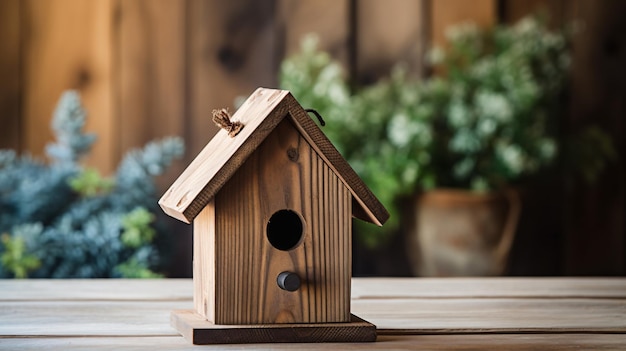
488 120
68 122
318 82
72 221
137 228
15 259
134 268
89 182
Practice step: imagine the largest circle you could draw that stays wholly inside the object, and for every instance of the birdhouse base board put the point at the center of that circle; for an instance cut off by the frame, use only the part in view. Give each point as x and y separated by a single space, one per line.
202 332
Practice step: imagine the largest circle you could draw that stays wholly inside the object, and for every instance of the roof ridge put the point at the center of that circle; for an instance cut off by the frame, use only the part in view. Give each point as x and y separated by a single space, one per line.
260 114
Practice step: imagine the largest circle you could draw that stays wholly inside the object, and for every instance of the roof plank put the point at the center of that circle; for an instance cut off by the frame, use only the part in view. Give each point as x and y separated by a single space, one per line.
223 155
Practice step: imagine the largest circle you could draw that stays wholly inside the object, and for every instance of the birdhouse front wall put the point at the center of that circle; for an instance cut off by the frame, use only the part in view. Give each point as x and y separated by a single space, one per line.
236 261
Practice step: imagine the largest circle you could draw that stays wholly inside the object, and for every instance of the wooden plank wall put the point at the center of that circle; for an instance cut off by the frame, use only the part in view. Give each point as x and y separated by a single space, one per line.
589 237
66 44
599 90
151 68
10 119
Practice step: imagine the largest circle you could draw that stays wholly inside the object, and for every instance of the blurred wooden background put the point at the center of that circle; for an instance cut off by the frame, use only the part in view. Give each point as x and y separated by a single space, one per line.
151 68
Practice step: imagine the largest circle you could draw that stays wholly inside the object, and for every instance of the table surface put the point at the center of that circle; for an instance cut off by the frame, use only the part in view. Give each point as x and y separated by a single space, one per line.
410 314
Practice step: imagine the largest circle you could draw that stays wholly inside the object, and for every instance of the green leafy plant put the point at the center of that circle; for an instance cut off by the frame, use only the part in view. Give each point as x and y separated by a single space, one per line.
137 228
89 182
65 221
487 120
15 259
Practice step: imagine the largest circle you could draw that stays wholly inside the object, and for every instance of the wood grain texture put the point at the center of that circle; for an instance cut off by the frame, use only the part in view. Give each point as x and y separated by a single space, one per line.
365 204
502 287
596 227
204 260
230 52
283 173
446 13
485 342
327 19
94 317
223 155
151 70
200 332
150 76
495 314
396 316
95 289
362 288
558 10
389 33
67 44
10 64
498 315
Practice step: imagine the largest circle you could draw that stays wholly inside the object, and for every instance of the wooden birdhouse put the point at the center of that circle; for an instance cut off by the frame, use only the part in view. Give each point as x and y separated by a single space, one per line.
271 201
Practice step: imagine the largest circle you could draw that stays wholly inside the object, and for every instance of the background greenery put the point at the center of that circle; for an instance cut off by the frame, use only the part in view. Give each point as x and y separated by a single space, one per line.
62 220
485 120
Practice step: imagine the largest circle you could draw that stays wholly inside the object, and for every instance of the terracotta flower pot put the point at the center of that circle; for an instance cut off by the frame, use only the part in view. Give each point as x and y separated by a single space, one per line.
461 233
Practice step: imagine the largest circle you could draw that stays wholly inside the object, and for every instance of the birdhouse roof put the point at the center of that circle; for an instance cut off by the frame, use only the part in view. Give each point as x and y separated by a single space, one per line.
223 155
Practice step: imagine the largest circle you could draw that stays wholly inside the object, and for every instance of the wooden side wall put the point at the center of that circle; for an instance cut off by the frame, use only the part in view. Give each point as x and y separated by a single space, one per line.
151 68
204 262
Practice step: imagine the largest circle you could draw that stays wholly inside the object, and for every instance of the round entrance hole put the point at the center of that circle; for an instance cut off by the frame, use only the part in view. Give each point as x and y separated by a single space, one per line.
285 230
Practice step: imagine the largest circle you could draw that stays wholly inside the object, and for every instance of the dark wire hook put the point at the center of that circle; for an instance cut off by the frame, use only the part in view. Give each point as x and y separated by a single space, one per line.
319 117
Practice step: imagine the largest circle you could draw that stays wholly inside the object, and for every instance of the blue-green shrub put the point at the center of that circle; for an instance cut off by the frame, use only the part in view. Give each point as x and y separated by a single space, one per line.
61 220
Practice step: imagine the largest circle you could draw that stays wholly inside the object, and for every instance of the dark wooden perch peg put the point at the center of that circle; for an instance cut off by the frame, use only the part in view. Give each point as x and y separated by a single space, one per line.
288 281
222 117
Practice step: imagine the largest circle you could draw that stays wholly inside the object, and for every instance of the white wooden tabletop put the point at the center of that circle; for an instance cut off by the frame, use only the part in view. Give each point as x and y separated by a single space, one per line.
410 314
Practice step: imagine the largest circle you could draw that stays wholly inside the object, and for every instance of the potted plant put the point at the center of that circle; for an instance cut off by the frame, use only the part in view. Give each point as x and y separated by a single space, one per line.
458 145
